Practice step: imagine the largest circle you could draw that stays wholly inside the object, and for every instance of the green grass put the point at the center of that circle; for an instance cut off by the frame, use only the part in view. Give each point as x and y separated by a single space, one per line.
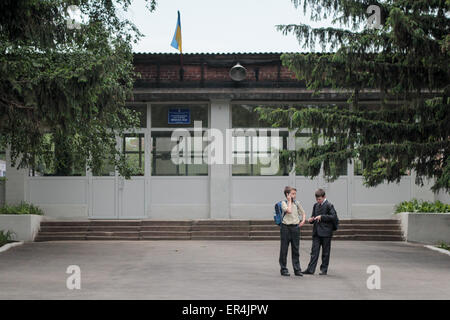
443 245
422 206
6 237
22 208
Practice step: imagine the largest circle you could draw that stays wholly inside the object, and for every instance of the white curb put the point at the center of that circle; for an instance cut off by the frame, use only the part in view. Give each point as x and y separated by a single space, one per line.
10 245
438 249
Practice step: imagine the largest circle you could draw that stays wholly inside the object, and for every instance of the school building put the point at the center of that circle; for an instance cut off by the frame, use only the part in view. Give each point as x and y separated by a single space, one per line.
211 91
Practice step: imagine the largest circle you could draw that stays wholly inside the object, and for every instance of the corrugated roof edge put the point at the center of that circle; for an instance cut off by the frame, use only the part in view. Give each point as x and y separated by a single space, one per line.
211 53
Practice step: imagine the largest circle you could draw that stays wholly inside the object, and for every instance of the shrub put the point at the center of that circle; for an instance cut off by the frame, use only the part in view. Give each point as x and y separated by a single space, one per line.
22 208
5 237
445 246
422 206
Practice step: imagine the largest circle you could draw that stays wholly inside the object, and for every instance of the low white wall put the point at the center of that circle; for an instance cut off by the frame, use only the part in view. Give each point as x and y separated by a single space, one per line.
430 228
25 226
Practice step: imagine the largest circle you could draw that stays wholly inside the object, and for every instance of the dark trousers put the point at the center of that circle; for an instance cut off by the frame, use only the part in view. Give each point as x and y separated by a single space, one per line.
289 234
317 242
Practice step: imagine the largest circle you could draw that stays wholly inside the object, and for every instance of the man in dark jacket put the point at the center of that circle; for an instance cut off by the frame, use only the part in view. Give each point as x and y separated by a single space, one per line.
323 217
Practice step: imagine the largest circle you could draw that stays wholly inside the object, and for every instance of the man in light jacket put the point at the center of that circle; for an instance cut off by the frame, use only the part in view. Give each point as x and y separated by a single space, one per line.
293 219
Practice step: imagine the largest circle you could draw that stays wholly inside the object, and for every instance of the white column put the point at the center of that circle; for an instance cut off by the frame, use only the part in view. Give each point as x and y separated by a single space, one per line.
291 147
16 181
350 187
220 174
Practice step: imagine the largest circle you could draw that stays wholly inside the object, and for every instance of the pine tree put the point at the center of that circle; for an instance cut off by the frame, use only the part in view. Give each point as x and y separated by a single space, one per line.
66 79
405 59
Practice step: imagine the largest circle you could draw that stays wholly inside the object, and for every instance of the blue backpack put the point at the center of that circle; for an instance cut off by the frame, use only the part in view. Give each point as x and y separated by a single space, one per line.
278 215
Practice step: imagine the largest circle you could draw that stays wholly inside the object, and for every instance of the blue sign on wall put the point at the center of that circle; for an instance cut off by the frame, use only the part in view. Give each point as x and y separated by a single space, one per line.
179 116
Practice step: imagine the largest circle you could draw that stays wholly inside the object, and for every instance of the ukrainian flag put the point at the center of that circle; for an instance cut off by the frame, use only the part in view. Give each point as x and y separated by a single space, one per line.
176 41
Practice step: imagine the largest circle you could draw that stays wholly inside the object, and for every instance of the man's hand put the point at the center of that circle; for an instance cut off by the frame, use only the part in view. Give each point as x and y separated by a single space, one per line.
310 220
318 218
301 224
289 199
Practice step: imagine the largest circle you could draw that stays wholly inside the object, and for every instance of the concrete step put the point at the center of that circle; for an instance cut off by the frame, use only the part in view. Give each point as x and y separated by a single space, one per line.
64 233
220 233
166 223
165 238
220 228
113 234
50 229
221 222
115 223
165 233
42 238
364 237
194 237
166 228
375 221
114 228
112 237
380 229
62 223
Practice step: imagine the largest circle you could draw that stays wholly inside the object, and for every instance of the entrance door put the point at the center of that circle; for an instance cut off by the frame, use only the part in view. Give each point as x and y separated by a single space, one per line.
114 197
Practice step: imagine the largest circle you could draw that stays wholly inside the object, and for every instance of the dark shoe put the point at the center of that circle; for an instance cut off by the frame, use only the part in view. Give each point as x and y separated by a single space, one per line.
307 272
286 274
323 273
299 273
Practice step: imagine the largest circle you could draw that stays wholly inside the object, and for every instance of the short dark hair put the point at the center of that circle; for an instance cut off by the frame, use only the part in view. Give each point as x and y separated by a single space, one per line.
320 193
288 190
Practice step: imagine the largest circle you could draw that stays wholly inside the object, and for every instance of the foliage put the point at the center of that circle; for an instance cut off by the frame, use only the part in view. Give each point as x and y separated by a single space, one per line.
70 83
444 246
6 237
22 208
405 63
422 206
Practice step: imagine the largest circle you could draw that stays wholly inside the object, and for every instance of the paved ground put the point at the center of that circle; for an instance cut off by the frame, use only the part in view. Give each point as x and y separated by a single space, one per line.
218 270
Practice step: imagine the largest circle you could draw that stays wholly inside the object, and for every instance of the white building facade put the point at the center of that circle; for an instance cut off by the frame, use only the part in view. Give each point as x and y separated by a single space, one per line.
162 189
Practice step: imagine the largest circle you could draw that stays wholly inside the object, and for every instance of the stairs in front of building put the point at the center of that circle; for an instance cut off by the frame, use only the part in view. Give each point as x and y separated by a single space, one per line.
54 230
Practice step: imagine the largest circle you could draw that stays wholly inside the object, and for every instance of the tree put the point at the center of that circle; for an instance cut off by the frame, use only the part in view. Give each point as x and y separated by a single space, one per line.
66 79
406 60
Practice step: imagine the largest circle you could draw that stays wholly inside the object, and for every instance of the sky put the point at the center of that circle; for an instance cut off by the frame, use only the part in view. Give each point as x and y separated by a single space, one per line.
216 26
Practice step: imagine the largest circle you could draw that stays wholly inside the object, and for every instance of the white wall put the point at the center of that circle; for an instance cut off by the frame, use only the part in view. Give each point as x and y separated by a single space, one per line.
179 197
218 196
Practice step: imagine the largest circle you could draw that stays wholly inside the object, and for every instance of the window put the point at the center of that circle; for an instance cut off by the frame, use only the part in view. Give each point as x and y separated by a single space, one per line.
257 152
133 147
58 160
178 157
178 154
245 116
257 146
107 168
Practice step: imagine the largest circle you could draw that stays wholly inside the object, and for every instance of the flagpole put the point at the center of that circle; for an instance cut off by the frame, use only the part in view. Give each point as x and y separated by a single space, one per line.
181 66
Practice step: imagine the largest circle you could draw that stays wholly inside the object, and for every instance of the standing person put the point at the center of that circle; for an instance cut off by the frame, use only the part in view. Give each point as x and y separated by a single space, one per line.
323 217
293 219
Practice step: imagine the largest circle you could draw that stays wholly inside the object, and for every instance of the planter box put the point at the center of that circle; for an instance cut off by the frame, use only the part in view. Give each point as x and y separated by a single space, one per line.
25 226
430 228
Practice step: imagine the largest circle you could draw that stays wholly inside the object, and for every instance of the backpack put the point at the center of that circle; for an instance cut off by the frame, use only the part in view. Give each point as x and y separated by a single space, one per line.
278 215
336 222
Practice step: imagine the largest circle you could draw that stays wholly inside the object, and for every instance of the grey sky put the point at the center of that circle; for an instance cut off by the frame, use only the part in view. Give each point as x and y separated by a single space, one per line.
218 25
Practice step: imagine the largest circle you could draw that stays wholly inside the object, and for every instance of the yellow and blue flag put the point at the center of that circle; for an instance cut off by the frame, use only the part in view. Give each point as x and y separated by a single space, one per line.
176 41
